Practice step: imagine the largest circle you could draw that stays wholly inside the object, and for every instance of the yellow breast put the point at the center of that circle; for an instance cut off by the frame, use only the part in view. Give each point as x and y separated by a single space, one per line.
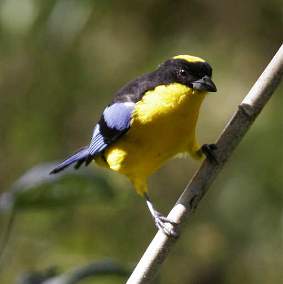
163 125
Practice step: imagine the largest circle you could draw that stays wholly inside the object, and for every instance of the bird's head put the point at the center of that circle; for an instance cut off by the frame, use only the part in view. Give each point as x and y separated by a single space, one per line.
191 71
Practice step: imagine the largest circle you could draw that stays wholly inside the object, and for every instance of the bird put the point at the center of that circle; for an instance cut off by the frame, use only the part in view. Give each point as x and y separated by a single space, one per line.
150 120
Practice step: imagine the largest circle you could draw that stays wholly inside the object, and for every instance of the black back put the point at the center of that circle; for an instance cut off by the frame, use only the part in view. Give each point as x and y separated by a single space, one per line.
171 71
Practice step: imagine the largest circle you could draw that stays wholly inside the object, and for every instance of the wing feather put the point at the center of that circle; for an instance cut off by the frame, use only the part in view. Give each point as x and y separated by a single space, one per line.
114 122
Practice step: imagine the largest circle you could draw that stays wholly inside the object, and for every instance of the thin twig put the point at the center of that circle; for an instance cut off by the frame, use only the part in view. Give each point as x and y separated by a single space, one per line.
91 270
6 235
231 136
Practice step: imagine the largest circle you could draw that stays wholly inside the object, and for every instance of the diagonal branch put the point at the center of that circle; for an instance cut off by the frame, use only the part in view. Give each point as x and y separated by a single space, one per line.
231 136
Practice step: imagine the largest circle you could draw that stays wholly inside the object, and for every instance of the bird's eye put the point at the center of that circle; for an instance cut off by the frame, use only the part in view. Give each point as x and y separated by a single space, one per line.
183 73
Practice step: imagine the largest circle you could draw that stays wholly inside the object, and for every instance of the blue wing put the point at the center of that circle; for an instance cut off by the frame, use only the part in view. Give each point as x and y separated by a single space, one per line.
114 122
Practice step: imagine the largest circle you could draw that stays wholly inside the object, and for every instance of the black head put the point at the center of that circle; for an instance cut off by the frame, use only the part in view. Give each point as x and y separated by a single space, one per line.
190 71
184 69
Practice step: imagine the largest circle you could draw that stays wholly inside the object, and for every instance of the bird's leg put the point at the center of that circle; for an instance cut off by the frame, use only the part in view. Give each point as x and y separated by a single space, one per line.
161 221
209 151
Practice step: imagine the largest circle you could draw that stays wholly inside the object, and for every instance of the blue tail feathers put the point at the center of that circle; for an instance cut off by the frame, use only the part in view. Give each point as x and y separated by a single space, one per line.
79 158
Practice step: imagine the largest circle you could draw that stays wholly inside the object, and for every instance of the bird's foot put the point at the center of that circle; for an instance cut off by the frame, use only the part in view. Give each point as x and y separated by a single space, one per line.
209 151
168 227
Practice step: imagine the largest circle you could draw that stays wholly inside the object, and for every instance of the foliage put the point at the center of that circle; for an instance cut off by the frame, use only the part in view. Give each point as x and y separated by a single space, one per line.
60 63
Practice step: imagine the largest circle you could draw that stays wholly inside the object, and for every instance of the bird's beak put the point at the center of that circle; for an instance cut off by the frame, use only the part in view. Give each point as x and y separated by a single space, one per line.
204 84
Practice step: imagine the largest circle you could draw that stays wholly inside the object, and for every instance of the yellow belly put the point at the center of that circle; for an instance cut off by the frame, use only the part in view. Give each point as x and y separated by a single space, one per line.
162 126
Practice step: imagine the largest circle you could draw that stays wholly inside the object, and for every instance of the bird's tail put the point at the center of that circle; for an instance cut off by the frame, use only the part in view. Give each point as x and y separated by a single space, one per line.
79 158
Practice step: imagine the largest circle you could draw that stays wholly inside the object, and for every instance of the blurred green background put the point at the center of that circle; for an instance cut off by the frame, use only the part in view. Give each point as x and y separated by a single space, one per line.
61 62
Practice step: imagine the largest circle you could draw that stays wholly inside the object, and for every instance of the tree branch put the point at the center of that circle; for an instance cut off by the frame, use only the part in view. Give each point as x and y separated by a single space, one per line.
231 136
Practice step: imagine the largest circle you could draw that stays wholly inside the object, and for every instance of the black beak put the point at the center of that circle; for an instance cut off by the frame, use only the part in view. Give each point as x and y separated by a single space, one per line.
204 84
